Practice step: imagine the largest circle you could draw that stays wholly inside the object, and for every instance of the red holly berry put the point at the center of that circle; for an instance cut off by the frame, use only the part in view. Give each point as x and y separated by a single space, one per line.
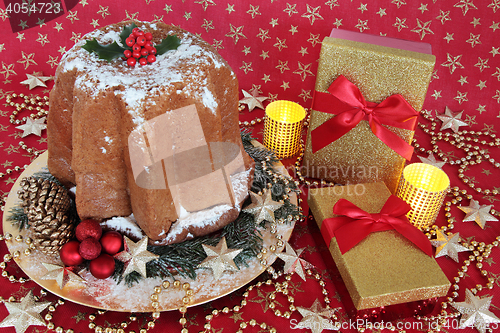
151 58
148 35
130 41
138 33
127 53
144 52
131 62
148 46
141 40
136 54
136 47
143 61
135 30
153 50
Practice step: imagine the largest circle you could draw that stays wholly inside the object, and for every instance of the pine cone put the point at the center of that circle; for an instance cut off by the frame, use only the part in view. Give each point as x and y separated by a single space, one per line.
47 206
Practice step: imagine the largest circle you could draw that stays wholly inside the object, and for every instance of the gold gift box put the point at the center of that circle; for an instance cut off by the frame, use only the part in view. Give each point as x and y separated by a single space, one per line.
385 268
379 72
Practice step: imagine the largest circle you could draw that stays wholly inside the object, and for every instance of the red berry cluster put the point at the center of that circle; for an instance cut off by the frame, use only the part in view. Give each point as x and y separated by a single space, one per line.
142 51
95 246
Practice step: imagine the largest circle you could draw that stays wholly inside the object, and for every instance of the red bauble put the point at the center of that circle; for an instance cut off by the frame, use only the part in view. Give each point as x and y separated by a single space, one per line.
90 248
103 266
111 242
88 228
69 254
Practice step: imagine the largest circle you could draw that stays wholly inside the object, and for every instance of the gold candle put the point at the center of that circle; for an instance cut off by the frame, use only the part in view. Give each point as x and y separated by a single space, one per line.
283 128
423 187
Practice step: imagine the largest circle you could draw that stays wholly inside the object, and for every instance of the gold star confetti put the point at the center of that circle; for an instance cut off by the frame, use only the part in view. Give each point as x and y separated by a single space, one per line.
432 161
316 318
135 256
451 120
448 245
34 81
61 274
475 312
24 314
293 264
33 126
262 207
478 213
253 100
220 258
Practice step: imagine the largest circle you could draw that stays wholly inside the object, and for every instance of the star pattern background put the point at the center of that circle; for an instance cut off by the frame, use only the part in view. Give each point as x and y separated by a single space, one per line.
273 46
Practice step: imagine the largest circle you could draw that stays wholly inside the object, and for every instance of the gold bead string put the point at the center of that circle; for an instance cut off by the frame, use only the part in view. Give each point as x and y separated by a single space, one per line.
461 140
30 150
279 287
16 255
121 327
34 103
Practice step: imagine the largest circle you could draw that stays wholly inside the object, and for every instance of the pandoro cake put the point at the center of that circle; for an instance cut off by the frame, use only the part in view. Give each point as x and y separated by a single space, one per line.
159 142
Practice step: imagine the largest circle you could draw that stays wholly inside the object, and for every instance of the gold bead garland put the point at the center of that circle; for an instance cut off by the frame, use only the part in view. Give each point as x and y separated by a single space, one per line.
17 254
461 140
30 103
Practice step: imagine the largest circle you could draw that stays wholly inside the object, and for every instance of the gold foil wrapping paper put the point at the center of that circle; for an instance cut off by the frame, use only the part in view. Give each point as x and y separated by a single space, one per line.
384 268
379 72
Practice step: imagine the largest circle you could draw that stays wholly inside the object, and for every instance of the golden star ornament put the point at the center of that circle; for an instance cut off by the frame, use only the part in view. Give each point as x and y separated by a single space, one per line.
219 258
293 262
33 126
316 318
263 207
135 256
34 80
475 312
448 245
252 100
61 274
478 213
432 161
451 120
24 314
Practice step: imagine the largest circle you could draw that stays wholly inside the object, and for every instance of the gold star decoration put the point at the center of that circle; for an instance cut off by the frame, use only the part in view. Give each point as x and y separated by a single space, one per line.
451 120
478 213
448 245
262 207
33 126
135 256
316 318
24 314
35 80
475 312
432 161
293 262
220 258
61 274
253 100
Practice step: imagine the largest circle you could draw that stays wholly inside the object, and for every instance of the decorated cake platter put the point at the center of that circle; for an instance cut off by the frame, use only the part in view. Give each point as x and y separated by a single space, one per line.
107 294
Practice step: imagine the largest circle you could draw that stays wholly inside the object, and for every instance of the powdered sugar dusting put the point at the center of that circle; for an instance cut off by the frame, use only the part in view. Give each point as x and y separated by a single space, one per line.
136 84
126 225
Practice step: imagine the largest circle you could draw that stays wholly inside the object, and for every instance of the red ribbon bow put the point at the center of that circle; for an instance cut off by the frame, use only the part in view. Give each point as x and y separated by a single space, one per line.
355 224
346 101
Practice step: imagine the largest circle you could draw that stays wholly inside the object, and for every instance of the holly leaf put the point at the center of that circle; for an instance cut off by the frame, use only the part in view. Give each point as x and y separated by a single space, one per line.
168 44
126 32
106 52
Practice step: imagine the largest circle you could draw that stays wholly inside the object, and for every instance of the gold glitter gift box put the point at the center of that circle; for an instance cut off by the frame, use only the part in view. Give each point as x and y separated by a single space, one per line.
380 67
384 268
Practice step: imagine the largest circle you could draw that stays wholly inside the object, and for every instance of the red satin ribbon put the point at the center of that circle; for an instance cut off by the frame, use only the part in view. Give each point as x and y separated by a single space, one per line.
355 224
346 101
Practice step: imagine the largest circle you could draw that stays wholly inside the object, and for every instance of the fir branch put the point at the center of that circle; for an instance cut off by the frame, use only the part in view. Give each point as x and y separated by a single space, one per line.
18 218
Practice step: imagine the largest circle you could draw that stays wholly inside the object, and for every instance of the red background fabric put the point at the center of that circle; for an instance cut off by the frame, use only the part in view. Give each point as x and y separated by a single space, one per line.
273 46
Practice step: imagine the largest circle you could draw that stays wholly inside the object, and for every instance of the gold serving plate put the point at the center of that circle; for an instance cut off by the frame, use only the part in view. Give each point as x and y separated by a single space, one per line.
107 294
